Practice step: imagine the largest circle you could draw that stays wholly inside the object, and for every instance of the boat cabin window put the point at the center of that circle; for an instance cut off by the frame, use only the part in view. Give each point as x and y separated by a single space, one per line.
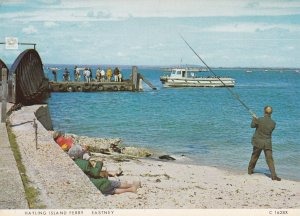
190 74
179 73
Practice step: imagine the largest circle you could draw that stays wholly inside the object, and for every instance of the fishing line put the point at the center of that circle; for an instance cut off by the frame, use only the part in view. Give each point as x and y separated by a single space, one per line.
231 92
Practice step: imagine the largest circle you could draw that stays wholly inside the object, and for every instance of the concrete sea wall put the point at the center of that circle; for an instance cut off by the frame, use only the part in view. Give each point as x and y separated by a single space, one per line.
61 184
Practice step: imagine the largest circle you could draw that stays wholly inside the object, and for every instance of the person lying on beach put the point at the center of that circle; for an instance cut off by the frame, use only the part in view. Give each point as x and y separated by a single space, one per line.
76 151
105 185
94 172
64 142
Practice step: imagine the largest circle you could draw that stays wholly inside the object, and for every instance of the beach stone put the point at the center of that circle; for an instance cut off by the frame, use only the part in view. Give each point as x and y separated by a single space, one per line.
136 152
166 157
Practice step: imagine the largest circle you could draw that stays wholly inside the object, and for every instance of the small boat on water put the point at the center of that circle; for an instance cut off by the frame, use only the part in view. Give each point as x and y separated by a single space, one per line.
182 77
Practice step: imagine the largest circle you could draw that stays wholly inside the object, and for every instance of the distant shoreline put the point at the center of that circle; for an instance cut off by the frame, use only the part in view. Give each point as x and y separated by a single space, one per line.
173 66
46 65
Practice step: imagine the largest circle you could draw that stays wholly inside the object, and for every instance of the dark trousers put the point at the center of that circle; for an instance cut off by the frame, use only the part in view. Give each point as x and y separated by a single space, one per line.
269 158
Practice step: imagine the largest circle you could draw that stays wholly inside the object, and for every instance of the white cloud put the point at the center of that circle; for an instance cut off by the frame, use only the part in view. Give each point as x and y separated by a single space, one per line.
52 15
251 27
136 48
187 8
156 46
29 30
147 38
50 24
121 54
49 2
11 2
77 40
290 48
94 10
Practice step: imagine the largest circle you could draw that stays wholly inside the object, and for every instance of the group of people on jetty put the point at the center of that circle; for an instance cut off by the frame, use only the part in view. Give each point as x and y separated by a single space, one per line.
86 75
94 169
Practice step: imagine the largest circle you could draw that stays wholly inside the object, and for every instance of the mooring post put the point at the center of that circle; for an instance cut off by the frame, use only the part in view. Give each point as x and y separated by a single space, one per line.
140 81
4 95
134 77
137 83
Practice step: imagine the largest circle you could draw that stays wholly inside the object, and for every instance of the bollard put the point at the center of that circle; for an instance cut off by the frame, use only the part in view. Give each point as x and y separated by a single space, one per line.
140 84
134 77
4 95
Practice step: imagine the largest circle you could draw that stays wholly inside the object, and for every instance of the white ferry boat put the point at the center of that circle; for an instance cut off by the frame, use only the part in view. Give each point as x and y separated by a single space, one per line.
181 77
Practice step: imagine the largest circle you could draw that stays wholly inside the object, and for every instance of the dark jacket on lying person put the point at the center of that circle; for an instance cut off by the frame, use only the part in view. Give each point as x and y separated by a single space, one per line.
103 184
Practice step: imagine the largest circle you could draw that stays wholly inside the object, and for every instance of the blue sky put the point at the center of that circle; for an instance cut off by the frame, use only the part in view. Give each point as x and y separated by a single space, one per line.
248 33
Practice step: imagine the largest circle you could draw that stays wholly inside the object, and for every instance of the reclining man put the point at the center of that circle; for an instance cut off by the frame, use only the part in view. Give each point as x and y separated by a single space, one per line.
105 185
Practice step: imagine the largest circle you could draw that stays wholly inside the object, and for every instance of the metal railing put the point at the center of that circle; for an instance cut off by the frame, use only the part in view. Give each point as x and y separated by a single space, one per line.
33 44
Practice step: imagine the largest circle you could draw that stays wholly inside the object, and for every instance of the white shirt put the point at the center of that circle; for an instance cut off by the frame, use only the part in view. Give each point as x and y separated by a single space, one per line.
87 73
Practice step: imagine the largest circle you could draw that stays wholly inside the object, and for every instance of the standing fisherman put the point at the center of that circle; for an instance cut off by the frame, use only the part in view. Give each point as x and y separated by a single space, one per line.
116 74
76 74
54 72
262 140
102 73
66 75
87 74
109 74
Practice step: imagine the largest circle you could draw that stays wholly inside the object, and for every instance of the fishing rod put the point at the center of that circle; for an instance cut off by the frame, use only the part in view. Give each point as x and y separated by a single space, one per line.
231 92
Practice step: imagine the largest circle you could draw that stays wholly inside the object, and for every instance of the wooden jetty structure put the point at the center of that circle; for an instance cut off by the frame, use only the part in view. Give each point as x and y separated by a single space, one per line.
132 84
25 82
90 87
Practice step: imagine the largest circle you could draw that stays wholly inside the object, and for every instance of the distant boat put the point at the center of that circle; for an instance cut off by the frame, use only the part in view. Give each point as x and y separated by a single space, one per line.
266 70
248 71
182 77
191 69
297 71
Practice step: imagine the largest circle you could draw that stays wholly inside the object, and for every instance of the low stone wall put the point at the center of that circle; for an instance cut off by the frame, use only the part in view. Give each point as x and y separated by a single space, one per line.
43 116
51 171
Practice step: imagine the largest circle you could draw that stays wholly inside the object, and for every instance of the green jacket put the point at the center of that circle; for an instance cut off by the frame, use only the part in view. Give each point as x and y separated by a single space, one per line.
103 184
262 137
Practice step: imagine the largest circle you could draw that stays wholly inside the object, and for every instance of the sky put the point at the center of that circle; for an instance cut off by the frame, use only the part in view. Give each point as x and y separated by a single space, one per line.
225 33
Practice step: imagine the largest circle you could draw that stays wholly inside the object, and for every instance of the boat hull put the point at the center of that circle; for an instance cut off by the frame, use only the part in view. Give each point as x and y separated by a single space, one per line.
197 82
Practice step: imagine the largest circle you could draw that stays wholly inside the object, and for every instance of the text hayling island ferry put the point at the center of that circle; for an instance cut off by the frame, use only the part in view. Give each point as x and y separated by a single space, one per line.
184 77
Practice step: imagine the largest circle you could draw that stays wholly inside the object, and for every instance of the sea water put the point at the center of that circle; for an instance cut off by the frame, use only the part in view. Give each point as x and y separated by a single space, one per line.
206 126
